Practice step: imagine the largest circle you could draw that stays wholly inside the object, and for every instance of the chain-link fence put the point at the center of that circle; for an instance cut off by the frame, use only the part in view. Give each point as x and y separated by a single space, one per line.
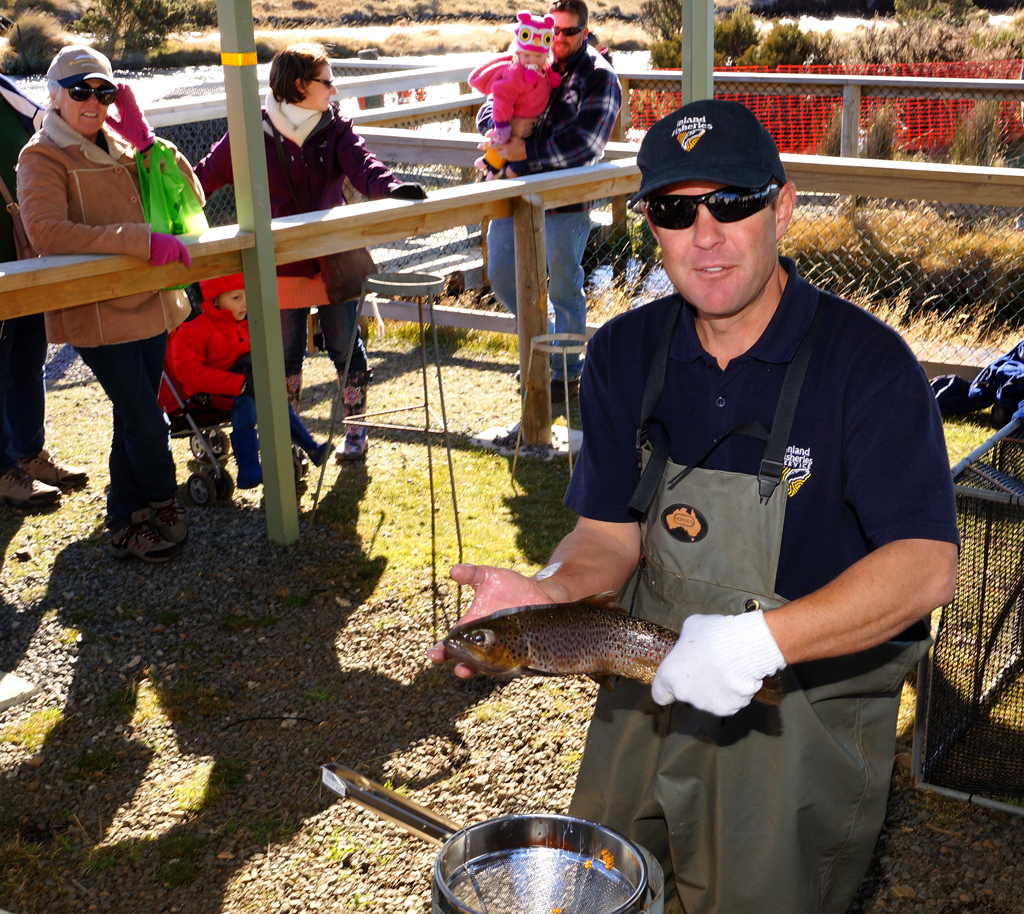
956 268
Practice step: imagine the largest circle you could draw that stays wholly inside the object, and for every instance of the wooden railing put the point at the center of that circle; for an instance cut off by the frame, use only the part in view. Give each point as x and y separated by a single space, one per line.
33 286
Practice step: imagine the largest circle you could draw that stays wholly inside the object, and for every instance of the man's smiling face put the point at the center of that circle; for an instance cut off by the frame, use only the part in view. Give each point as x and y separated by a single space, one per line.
723 268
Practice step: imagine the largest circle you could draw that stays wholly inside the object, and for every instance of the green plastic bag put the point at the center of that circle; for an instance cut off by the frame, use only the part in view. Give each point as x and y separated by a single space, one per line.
170 204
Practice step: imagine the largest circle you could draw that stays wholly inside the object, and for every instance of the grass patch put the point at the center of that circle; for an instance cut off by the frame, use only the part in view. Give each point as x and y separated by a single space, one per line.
271 829
236 623
321 693
106 856
36 729
209 784
178 873
94 763
492 710
167 617
187 699
70 636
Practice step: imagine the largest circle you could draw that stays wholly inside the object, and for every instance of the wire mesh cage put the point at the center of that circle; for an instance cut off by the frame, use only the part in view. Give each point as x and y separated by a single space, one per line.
971 716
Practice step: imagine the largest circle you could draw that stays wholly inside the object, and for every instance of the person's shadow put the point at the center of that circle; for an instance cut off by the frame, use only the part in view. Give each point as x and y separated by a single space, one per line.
221 696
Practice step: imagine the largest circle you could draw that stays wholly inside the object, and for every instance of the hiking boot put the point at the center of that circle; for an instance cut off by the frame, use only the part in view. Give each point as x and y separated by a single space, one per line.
20 489
44 468
353 447
142 540
168 519
558 389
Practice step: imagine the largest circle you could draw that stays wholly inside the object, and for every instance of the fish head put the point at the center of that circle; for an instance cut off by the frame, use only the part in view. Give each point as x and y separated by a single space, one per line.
494 647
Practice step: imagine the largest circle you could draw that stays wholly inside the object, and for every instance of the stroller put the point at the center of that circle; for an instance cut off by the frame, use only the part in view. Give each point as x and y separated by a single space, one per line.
202 419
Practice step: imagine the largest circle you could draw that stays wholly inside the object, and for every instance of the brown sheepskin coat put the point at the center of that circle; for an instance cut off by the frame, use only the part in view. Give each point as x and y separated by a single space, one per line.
77 199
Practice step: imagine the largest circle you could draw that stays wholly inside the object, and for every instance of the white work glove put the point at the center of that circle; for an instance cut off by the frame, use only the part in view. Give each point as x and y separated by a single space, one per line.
719 663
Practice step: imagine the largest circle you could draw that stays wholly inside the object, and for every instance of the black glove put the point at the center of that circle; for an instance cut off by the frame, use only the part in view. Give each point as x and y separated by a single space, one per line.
408 190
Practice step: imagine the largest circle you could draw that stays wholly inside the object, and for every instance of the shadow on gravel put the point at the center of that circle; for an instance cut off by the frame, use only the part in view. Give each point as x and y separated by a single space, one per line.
205 695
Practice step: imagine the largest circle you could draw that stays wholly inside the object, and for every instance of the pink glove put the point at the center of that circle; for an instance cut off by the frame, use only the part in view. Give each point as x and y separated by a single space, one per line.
164 249
500 133
130 122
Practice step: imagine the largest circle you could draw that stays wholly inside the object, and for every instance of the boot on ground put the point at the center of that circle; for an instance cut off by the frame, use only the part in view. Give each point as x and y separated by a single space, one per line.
354 444
46 469
20 489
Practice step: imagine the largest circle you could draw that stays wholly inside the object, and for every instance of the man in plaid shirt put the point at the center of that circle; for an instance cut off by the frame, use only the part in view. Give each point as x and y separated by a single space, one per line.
572 131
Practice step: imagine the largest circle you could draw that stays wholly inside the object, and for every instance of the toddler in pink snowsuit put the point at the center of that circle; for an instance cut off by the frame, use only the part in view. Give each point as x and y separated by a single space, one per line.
520 84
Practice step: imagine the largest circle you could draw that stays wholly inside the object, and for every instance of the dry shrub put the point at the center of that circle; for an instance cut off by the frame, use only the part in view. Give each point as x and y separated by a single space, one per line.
881 137
943 264
438 40
977 139
32 42
920 40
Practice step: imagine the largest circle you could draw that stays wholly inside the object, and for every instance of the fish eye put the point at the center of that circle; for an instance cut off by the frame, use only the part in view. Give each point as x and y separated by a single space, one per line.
482 638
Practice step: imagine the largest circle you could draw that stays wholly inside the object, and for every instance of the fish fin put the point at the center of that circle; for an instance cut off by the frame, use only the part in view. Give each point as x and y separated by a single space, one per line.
770 692
604 680
606 600
530 671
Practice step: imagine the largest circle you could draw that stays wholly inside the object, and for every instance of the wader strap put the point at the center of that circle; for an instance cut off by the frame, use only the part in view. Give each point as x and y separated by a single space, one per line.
772 464
650 477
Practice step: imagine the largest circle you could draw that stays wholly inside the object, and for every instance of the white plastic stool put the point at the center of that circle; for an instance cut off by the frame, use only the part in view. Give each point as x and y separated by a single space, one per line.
567 344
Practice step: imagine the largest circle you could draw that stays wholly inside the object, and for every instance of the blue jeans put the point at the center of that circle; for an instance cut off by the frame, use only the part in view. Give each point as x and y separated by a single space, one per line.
22 395
141 465
565 241
243 418
243 413
337 322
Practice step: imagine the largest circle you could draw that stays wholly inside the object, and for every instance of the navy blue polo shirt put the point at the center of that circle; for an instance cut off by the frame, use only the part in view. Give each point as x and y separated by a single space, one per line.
867 454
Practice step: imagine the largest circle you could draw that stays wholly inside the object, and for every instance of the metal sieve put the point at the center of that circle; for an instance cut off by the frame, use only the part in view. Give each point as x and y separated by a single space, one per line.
528 864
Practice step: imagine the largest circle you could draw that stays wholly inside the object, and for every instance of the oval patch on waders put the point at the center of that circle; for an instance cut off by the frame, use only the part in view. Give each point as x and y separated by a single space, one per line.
684 523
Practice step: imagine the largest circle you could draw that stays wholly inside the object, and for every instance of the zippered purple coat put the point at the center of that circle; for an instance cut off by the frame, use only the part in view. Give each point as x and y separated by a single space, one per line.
332 152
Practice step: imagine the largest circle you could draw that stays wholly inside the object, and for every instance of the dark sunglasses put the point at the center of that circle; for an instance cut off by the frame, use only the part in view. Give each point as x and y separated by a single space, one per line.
323 82
569 32
105 95
730 204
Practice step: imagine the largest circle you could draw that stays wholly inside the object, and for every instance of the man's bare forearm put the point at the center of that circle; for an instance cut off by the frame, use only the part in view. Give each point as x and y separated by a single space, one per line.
596 557
872 601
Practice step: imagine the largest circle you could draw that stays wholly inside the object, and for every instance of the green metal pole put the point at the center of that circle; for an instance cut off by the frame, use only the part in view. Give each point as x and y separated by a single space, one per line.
252 195
698 50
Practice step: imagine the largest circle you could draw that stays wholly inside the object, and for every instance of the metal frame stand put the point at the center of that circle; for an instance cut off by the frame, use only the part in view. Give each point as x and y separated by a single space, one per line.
421 287
554 342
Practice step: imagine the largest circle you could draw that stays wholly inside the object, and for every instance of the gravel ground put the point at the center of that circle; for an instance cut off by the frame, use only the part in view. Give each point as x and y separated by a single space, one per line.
199 698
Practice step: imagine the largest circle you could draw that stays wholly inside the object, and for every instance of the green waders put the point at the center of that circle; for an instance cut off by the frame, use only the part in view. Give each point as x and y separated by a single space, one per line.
774 810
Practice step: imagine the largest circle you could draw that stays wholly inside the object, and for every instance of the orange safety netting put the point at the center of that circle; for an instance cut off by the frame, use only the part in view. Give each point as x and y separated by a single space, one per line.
799 122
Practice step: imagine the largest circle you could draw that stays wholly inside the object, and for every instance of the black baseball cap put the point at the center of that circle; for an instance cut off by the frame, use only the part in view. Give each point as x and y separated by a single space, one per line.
708 140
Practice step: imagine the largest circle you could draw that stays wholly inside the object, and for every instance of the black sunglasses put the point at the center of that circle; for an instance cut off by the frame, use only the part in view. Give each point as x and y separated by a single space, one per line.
323 82
105 95
729 204
568 32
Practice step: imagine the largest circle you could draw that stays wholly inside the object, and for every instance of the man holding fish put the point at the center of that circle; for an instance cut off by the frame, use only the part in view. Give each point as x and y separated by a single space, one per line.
764 472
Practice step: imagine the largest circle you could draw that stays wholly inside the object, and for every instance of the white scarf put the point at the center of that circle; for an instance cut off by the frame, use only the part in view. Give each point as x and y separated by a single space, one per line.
290 120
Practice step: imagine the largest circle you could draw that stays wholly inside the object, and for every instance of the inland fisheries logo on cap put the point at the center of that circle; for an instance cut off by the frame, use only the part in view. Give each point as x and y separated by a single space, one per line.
689 130
684 523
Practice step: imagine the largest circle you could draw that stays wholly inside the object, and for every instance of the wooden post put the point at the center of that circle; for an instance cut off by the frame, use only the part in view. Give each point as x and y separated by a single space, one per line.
850 133
697 80
532 313
620 213
248 159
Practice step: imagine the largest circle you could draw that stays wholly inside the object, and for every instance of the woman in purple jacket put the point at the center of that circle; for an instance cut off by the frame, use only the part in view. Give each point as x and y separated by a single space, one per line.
311 149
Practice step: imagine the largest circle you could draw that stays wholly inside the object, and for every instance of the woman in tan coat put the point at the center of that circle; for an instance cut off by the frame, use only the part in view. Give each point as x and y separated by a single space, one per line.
79 192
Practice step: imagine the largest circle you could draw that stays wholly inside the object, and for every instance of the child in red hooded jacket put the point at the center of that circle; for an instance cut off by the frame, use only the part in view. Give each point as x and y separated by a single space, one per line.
211 355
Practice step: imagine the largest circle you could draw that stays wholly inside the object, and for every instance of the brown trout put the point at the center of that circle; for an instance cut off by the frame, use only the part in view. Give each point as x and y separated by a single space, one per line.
570 639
